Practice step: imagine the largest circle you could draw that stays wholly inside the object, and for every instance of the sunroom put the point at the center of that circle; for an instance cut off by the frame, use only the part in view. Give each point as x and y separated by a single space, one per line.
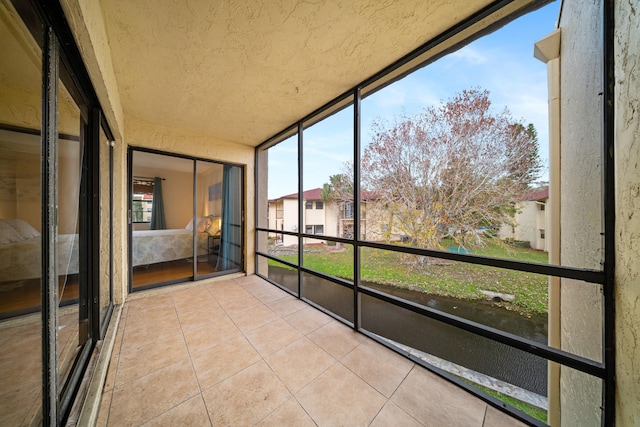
143 148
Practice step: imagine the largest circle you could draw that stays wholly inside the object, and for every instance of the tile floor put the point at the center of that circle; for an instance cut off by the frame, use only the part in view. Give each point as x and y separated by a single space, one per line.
243 352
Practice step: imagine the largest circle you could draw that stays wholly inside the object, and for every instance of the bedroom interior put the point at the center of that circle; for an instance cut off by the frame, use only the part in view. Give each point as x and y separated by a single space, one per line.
180 190
20 245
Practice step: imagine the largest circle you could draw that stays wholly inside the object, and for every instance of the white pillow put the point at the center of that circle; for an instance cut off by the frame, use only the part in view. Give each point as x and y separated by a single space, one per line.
7 233
203 224
24 230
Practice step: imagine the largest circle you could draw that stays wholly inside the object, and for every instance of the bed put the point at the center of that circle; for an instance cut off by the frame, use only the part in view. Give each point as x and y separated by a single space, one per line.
153 246
20 247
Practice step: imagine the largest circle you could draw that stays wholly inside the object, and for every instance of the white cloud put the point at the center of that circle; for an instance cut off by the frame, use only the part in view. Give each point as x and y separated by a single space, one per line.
470 55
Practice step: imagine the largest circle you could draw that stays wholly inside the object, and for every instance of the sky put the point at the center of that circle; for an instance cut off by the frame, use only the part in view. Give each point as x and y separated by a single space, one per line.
501 62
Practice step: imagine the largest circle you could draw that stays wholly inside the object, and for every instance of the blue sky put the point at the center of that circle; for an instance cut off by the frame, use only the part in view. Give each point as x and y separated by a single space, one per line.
501 62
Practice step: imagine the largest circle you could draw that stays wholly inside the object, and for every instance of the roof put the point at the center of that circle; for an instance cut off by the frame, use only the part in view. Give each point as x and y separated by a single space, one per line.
316 194
539 194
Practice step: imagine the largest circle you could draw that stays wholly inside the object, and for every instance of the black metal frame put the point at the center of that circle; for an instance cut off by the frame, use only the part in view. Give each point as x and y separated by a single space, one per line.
603 370
49 167
195 277
608 156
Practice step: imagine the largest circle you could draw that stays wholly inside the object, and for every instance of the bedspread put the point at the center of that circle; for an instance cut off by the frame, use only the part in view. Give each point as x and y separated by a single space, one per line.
152 246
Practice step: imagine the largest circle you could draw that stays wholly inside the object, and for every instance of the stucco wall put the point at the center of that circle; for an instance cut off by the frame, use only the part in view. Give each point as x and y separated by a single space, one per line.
580 205
525 223
180 141
627 155
313 216
87 24
290 220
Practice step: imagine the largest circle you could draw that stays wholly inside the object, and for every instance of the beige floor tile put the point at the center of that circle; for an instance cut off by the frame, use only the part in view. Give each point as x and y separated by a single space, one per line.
336 339
222 286
434 401
210 335
272 337
496 418
392 415
265 291
308 319
150 357
338 397
299 363
199 315
236 305
136 337
191 297
380 367
103 413
289 414
222 361
245 398
286 305
268 295
145 302
142 317
226 291
253 318
189 413
248 280
147 397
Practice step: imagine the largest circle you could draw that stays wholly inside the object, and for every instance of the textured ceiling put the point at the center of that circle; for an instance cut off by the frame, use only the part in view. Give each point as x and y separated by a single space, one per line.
243 70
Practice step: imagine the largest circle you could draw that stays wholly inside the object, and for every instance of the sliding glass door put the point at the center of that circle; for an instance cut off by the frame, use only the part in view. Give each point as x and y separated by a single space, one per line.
186 218
55 235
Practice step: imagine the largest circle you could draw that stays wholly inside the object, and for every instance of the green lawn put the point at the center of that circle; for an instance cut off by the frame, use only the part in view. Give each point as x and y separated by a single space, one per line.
441 277
531 410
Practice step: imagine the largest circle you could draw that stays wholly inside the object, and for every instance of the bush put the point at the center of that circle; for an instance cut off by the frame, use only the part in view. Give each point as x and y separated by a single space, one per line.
518 243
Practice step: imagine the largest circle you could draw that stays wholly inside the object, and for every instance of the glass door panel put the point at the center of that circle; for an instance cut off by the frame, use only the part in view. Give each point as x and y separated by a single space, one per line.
230 257
209 213
162 219
20 221
73 313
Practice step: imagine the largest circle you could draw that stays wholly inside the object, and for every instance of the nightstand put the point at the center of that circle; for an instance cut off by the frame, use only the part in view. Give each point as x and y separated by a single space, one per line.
213 245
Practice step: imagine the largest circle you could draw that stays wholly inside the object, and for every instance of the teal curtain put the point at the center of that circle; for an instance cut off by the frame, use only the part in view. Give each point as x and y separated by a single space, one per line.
158 221
230 255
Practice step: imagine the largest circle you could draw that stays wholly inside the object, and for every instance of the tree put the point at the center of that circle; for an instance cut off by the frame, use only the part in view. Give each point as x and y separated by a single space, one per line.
451 170
340 187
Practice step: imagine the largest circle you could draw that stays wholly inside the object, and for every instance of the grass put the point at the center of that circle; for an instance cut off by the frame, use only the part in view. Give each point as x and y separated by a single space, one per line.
441 277
533 411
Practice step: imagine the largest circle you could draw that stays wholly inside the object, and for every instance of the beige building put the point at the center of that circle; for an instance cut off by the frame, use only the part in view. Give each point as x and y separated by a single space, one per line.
86 86
319 217
530 221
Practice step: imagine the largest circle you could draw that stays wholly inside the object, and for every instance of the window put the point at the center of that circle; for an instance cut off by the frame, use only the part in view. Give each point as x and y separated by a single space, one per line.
347 211
314 229
142 203
422 227
319 205
308 205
